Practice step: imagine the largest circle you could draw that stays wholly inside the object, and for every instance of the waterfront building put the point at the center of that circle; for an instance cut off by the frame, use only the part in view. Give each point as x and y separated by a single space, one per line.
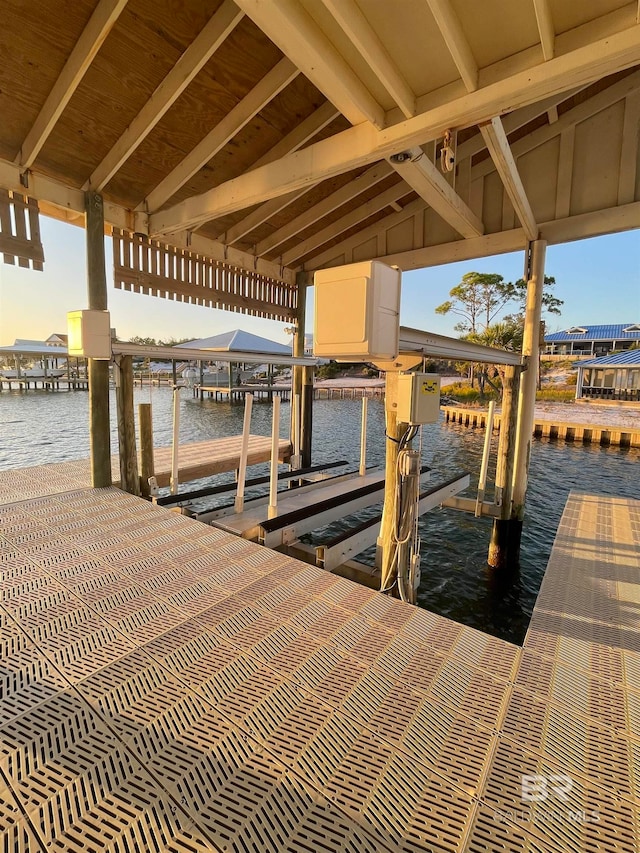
592 340
612 377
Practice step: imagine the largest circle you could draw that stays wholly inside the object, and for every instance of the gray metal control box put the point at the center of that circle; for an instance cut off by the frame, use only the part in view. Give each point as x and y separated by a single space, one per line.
418 398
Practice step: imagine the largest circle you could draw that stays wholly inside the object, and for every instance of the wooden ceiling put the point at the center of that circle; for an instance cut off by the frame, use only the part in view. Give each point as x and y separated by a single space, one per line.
266 132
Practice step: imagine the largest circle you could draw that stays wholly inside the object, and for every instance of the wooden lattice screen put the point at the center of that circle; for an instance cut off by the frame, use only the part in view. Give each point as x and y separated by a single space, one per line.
20 230
148 266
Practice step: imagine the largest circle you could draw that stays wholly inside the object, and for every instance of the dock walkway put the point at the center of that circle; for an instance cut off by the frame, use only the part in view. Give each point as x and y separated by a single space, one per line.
172 687
196 459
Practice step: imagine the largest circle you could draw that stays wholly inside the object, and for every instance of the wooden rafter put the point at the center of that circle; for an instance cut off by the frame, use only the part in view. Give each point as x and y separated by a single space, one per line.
309 217
212 35
423 177
294 140
363 145
545 27
451 30
290 27
349 220
498 145
97 29
271 84
359 31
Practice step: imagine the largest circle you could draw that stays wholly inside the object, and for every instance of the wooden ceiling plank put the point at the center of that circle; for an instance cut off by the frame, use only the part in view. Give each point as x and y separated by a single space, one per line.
359 31
212 35
294 31
545 28
362 145
496 141
374 205
97 29
341 196
266 90
451 30
298 137
423 177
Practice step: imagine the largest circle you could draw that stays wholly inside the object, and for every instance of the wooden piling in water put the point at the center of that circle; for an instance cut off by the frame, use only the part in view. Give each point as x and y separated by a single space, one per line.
129 478
146 448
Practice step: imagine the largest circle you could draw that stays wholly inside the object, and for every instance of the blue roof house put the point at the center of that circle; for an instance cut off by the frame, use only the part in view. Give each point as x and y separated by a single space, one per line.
592 340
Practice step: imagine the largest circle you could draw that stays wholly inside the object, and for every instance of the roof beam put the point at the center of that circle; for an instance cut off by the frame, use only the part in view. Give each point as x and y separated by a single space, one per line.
183 72
451 29
309 217
579 227
271 84
545 28
294 31
294 140
97 29
362 145
496 141
349 220
423 177
359 31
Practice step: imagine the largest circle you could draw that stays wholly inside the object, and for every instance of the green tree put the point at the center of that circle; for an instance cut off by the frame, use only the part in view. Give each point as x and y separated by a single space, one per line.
478 299
550 302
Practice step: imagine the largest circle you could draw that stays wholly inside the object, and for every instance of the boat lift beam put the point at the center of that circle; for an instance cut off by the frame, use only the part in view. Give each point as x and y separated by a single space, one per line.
352 542
441 346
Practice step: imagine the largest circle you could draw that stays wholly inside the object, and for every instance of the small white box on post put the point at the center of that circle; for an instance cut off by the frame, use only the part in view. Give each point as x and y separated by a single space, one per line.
357 310
89 333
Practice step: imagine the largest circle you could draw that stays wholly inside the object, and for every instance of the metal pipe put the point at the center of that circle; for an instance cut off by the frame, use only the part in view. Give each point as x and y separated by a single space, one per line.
176 441
244 451
482 481
363 438
275 441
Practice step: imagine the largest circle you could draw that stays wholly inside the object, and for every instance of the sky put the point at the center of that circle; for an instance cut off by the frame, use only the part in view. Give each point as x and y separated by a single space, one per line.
598 279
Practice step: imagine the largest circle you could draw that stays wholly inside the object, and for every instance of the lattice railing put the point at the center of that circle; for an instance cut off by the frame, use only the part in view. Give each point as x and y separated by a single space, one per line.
148 266
20 230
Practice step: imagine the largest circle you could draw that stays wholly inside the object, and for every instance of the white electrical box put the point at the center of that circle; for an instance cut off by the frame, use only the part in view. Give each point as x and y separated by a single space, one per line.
89 334
418 398
357 312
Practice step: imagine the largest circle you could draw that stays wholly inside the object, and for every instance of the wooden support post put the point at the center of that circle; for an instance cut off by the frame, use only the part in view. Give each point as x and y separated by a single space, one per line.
175 443
482 480
306 418
528 386
272 509
123 371
363 438
97 371
146 448
499 550
394 431
297 345
244 451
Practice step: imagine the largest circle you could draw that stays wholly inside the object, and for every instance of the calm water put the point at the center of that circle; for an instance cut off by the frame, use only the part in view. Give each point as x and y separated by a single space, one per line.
40 427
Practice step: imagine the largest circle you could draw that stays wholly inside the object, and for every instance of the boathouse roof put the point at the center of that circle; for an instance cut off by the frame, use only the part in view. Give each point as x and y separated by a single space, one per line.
629 358
238 340
250 142
618 332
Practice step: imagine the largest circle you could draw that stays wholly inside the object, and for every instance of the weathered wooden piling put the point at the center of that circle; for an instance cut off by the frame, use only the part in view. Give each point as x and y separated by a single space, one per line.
129 478
97 370
146 448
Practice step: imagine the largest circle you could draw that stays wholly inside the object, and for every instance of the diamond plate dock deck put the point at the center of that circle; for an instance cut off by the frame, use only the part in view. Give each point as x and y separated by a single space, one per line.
171 687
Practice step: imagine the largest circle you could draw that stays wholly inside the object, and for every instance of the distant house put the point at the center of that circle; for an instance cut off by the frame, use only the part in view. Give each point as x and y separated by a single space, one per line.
612 377
56 340
592 340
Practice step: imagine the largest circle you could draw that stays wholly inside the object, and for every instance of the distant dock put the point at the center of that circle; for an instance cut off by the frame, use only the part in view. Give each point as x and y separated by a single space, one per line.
585 433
